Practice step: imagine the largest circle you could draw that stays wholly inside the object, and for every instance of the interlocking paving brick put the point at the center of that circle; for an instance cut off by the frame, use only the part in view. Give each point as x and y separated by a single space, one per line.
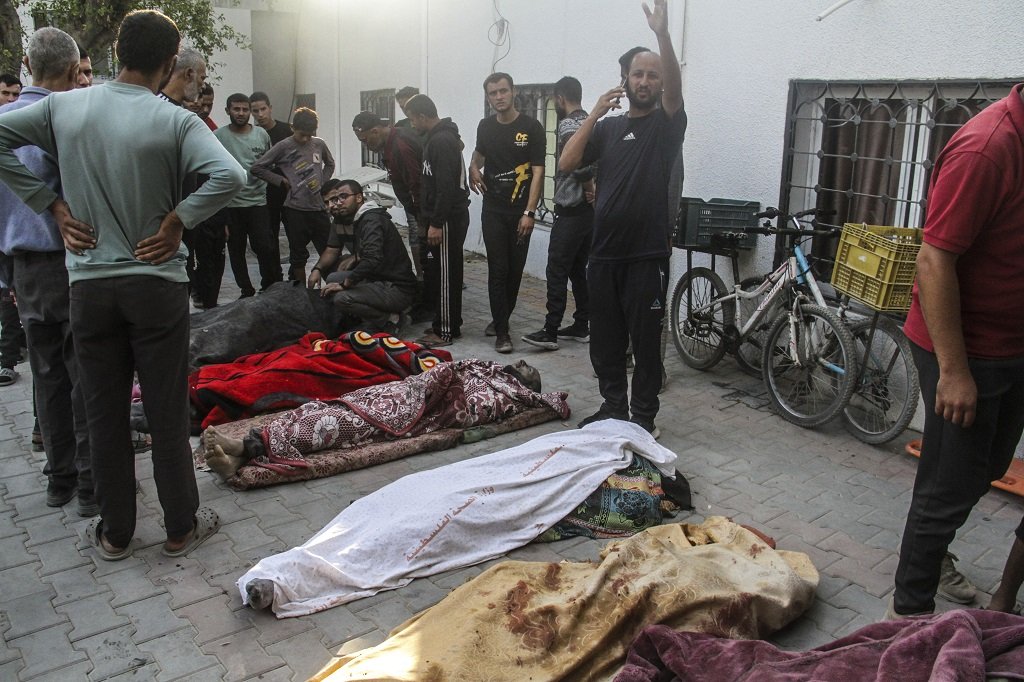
214 619
73 584
178 656
389 613
113 652
130 586
800 635
153 618
304 653
91 616
421 594
242 656
46 650
272 630
30 613
370 639
335 625
77 671
185 582
246 534
12 553
20 580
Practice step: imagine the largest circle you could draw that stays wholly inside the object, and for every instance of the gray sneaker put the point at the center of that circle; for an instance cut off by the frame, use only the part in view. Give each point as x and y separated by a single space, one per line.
952 583
503 344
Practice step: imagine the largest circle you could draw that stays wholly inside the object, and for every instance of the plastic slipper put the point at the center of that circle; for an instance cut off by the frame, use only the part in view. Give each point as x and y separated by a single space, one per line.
93 533
207 523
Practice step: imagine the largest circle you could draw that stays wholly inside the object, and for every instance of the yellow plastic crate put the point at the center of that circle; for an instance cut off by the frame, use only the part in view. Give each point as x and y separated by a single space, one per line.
876 265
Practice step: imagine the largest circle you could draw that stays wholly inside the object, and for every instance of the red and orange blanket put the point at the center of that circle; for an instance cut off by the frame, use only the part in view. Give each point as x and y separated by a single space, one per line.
315 368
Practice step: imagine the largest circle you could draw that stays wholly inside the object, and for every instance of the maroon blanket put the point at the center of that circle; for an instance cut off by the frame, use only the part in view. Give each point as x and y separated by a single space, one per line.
315 368
960 646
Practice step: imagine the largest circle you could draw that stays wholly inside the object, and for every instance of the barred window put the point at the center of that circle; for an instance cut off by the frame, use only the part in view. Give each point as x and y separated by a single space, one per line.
382 103
866 149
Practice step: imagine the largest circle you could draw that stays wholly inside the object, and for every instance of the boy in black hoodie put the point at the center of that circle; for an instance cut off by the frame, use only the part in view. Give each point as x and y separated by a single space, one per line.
444 207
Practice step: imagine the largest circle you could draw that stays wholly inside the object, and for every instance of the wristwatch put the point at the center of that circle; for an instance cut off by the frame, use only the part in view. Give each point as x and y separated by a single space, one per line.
530 214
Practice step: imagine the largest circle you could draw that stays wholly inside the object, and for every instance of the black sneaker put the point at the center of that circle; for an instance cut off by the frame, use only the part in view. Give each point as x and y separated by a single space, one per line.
543 339
575 332
601 415
490 330
503 344
648 426
58 497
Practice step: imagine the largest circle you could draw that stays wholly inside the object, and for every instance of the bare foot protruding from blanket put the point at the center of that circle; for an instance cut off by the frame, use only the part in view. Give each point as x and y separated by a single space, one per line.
224 455
260 593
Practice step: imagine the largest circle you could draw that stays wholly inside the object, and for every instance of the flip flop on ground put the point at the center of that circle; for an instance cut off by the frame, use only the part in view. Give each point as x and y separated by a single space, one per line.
94 536
207 523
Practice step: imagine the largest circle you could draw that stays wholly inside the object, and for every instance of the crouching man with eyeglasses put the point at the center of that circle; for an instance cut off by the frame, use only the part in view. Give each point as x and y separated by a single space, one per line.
379 284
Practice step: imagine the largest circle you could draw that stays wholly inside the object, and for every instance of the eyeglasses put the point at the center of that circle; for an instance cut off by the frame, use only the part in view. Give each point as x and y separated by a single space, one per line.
338 198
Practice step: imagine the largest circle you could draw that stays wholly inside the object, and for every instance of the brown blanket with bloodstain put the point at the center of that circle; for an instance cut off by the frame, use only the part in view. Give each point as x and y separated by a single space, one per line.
575 621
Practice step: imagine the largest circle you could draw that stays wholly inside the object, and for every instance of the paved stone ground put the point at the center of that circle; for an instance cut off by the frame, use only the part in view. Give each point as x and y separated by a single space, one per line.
65 615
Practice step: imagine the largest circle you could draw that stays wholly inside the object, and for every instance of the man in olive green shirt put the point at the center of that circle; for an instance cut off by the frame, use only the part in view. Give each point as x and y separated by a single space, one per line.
248 219
122 154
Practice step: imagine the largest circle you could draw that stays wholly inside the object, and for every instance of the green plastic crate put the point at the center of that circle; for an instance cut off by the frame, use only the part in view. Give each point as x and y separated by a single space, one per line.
700 220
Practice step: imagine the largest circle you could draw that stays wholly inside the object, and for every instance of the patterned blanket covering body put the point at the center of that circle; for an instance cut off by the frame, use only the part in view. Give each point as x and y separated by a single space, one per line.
460 394
575 621
379 424
315 368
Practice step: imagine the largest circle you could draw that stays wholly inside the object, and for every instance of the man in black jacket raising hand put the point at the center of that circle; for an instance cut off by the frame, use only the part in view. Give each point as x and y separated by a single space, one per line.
444 210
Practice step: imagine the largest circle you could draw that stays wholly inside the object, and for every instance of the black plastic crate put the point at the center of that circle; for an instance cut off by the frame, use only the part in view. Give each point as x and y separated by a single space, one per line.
700 220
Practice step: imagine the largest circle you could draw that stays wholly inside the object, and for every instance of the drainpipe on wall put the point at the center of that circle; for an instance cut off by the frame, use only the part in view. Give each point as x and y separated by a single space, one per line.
425 46
832 9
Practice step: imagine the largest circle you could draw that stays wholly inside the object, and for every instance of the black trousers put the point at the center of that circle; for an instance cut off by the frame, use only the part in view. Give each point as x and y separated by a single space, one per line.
275 216
209 240
957 467
43 302
302 228
251 224
12 337
121 325
568 253
443 274
632 306
506 258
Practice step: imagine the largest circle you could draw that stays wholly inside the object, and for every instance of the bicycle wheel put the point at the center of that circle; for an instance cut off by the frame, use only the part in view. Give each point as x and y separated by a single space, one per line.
816 385
751 348
885 398
698 335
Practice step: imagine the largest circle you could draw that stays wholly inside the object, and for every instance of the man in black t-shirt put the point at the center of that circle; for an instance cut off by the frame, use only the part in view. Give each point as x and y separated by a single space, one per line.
629 259
510 151
263 116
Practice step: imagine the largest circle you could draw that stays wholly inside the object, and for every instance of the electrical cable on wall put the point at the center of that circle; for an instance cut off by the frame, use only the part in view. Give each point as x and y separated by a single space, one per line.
500 35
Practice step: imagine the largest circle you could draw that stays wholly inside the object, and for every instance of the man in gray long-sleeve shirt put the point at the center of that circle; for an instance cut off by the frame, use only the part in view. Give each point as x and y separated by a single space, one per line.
122 221
301 164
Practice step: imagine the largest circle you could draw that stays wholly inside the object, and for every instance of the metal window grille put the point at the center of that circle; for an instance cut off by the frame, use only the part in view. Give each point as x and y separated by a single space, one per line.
382 103
866 149
538 101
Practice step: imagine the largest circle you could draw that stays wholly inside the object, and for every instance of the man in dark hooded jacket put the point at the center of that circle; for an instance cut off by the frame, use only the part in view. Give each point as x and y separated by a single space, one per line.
380 284
444 209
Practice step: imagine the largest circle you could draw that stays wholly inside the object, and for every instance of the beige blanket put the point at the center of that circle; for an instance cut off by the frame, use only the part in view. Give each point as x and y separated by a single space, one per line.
575 621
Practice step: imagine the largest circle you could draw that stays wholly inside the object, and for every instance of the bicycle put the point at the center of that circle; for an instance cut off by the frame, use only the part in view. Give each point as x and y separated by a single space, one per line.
808 354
